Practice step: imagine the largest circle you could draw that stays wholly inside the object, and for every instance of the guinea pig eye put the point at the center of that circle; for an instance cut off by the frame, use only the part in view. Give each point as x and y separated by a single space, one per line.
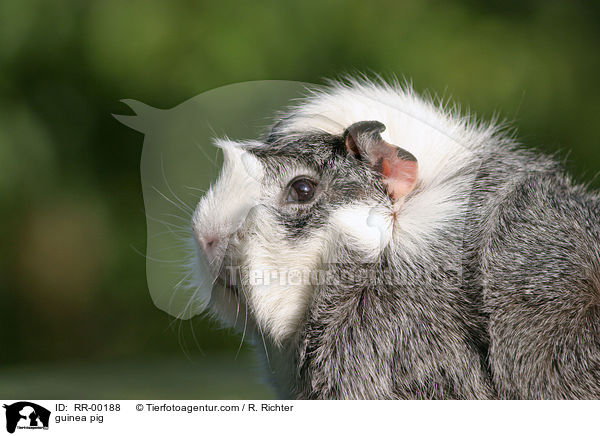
301 191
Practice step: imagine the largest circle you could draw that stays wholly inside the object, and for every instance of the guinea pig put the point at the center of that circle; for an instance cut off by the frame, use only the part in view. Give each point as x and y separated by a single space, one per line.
377 246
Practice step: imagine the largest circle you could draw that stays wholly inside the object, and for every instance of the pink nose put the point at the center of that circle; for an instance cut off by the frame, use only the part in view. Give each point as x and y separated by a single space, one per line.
208 243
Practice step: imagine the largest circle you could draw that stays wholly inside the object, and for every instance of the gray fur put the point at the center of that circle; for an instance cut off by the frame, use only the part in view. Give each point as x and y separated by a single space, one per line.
502 301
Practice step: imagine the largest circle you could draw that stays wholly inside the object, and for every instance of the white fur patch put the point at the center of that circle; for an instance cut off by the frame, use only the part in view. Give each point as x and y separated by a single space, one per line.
280 281
227 203
365 227
224 208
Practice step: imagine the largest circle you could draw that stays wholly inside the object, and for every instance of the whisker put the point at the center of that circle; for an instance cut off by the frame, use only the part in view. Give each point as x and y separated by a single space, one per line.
162 167
177 233
152 258
177 287
188 211
168 224
180 245
185 220
244 331
182 343
237 308
204 191
195 338
265 346
199 146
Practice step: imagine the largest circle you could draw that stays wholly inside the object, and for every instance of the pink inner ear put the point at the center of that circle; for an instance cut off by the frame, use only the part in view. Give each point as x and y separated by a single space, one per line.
398 167
399 176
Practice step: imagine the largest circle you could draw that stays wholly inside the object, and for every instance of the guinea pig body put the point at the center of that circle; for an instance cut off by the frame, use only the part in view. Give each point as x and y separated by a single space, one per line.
375 246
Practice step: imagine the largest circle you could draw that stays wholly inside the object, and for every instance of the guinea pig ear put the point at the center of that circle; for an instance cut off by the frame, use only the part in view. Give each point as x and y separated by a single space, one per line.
397 166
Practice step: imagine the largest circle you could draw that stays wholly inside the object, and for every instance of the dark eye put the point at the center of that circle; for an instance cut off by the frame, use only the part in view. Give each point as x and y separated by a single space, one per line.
301 191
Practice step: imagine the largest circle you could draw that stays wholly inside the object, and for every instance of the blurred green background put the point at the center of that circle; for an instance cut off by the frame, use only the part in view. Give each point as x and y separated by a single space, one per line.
77 319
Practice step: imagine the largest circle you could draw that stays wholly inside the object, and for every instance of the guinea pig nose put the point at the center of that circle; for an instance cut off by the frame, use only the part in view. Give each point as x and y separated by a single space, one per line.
208 243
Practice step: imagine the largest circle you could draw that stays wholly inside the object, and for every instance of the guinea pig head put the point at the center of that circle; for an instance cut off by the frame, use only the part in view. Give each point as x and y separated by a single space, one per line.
284 210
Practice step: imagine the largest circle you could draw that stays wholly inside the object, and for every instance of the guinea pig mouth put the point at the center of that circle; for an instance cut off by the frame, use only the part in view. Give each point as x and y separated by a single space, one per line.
228 278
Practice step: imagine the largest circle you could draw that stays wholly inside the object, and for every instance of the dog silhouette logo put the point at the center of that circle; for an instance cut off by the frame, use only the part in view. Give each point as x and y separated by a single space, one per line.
26 415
